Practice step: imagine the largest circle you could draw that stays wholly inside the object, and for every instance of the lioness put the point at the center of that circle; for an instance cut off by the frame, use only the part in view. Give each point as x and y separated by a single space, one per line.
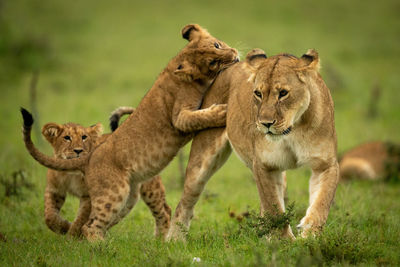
150 138
280 116
72 140
371 161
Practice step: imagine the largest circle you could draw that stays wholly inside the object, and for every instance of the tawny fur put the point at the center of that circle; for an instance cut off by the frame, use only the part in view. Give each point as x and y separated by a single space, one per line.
369 161
71 141
149 139
301 132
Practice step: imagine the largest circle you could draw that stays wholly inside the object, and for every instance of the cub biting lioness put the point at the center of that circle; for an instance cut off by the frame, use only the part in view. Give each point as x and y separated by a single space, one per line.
149 139
72 140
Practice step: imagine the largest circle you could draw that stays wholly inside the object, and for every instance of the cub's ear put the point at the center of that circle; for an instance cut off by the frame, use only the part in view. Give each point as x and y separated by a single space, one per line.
96 130
310 60
185 72
255 57
51 131
193 31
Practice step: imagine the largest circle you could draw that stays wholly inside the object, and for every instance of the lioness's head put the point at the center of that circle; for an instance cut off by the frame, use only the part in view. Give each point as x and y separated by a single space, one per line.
71 140
281 91
203 57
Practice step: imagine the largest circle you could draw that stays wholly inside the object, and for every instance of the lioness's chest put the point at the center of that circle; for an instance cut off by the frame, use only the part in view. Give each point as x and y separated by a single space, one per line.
276 154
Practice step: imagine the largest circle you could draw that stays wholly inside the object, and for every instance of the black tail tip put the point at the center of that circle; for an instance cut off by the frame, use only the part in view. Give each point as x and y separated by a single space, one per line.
27 116
114 119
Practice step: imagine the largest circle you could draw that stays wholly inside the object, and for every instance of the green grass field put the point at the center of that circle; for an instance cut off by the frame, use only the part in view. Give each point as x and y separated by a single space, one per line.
93 56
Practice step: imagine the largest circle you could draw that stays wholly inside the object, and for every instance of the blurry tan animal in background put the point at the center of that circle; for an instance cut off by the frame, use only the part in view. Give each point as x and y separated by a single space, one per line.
150 138
371 161
72 140
280 116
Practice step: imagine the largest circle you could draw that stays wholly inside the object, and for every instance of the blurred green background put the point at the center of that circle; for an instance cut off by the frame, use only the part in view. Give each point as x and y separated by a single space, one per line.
90 57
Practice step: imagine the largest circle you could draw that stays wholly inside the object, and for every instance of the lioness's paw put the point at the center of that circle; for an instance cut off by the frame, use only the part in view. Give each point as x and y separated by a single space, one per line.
308 228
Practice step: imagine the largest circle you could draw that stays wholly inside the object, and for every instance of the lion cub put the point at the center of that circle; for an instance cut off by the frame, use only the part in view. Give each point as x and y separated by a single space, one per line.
149 139
72 140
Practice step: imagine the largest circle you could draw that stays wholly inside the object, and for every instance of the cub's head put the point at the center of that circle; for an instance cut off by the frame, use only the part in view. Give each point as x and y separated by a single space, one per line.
71 140
281 91
203 57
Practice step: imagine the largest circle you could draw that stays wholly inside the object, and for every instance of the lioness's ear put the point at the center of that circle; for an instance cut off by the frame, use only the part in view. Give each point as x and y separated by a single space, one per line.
255 57
96 130
311 60
51 131
184 72
192 31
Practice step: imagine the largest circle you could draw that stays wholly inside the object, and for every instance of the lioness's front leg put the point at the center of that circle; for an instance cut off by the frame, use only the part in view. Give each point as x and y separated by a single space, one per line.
271 189
323 185
210 149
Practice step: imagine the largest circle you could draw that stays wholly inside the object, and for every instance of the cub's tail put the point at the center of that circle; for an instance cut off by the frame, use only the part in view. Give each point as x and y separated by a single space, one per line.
117 114
47 161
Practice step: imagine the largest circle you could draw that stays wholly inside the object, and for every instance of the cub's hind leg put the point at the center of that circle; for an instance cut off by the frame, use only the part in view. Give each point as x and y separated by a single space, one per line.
153 194
210 149
131 201
53 201
109 190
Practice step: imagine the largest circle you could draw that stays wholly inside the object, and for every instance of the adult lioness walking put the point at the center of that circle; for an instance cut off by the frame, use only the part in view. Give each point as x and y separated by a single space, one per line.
149 139
280 117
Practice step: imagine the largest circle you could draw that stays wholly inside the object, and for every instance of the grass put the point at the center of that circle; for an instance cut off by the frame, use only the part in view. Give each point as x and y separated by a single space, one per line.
93 56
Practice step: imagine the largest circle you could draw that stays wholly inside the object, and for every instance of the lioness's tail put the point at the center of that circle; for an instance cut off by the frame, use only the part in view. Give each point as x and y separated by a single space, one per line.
117 114
49 162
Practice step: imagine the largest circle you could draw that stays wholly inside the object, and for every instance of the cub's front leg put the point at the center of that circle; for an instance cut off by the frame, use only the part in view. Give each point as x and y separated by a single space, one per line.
189 119
81 218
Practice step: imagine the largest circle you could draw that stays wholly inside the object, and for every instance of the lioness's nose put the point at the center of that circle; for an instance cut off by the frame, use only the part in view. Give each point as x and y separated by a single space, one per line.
268 124
78 151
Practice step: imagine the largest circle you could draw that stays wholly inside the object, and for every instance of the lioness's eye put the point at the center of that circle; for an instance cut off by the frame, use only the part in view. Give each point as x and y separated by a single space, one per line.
67 137
217 45
84 137
282 93
258 93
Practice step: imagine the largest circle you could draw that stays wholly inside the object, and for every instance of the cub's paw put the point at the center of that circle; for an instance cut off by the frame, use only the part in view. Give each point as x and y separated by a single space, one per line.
219 114
177 232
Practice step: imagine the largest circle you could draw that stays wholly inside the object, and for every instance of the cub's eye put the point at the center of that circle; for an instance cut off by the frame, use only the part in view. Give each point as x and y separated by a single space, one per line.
67 137
179 67
213 62
216 45
84 137
258 94
282 93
